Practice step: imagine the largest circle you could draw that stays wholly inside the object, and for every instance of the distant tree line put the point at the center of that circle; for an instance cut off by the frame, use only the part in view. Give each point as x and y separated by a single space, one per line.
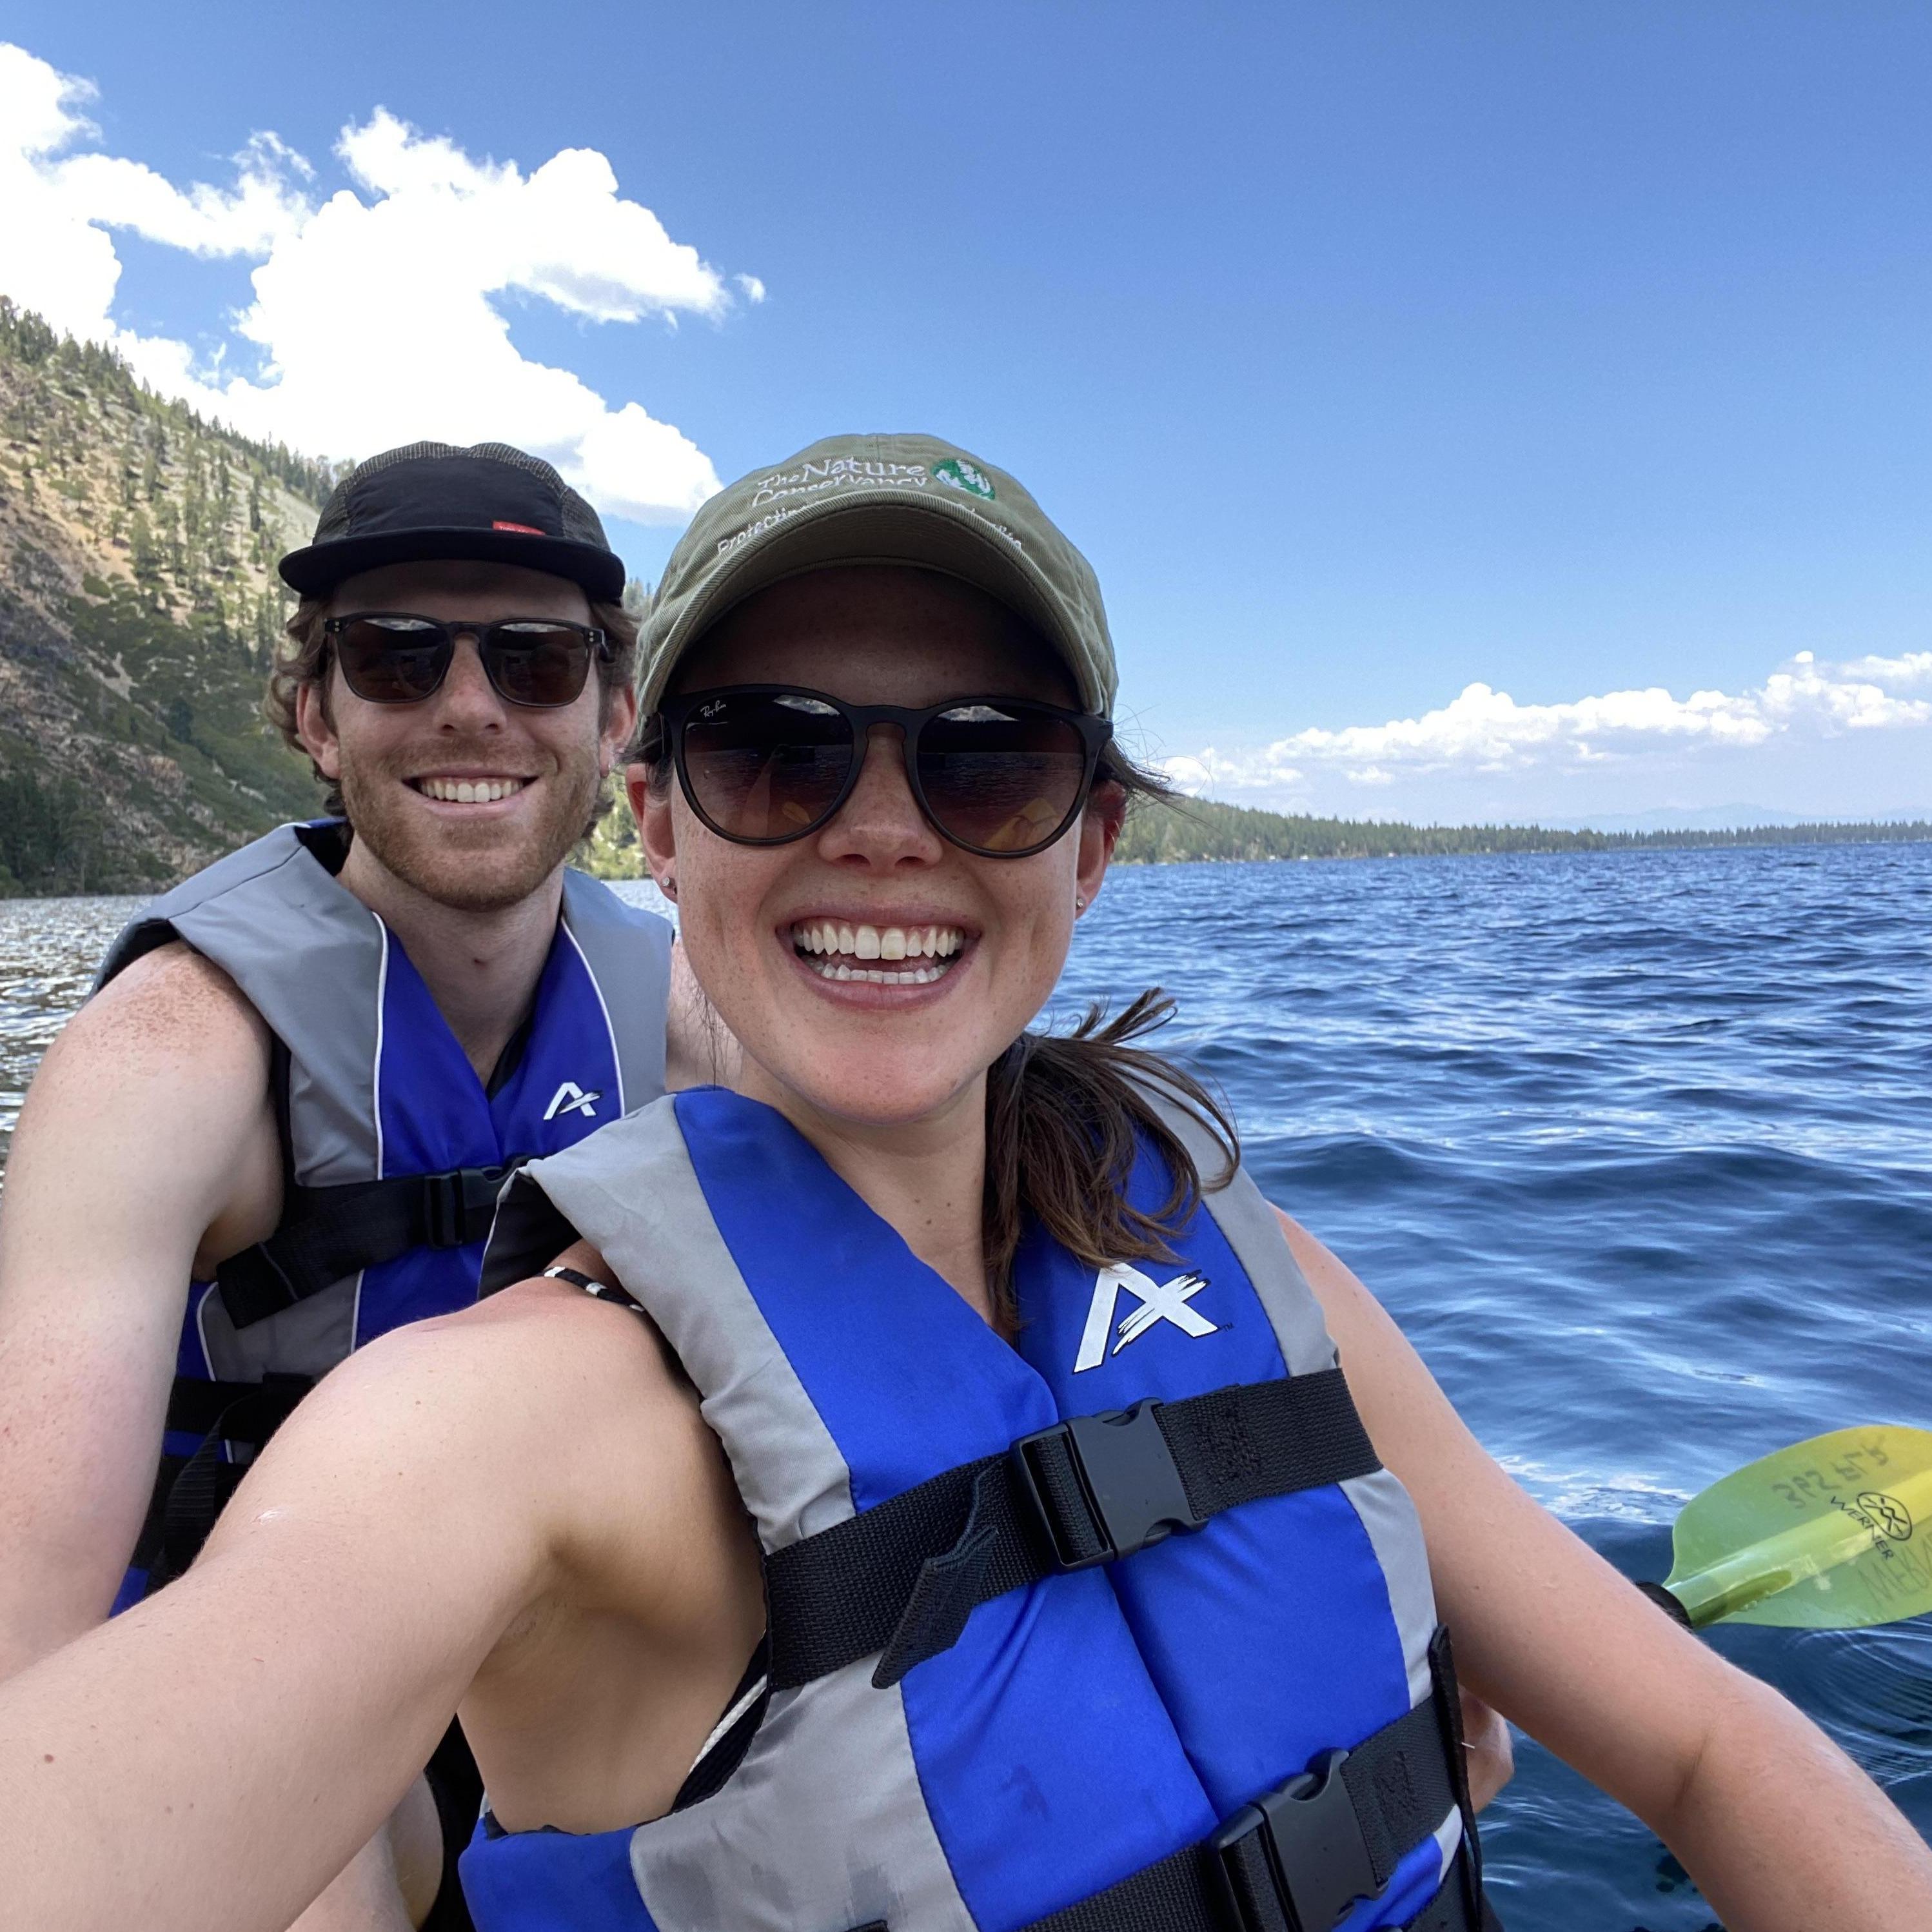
50 835
1166 831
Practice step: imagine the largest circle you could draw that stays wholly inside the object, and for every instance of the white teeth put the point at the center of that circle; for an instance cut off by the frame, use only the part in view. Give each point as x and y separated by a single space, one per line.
469 791
920 976
837 943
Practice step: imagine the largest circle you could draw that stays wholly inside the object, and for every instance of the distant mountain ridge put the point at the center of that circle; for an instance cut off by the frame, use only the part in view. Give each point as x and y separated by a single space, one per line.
139 605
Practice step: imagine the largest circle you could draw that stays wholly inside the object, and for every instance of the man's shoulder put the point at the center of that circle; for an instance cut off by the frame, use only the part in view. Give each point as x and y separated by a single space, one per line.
160 1080
171 1000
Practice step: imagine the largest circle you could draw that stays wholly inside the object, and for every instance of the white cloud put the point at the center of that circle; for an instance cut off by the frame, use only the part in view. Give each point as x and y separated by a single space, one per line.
1914 667
1485 730
379 314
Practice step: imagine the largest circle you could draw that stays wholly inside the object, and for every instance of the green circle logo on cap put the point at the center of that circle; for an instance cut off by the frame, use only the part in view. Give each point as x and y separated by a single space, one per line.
963 475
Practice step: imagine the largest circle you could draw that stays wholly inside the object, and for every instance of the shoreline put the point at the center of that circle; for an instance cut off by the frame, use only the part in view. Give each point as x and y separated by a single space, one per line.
1158 836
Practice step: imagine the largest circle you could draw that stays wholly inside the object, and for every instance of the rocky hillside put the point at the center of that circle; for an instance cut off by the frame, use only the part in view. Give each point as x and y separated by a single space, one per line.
138 607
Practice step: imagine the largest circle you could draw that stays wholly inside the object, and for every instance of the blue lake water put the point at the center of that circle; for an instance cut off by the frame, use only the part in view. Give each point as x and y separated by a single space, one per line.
1637 1146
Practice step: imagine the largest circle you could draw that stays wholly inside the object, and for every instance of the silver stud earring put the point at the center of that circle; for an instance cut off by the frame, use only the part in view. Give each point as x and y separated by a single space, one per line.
1079 905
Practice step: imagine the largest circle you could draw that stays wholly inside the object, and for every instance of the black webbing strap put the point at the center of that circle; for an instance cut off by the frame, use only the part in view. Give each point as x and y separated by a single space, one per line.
1294 1861
1449 1711
1171 1896
190 1492
328 1233
148 1544
901 1578
196 1407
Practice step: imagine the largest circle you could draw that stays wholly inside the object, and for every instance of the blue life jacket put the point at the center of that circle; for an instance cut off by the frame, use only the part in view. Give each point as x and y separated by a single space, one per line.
393 1151
1036 1745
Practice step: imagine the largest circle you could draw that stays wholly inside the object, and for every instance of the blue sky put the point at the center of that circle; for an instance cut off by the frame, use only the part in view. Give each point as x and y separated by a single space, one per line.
1371 352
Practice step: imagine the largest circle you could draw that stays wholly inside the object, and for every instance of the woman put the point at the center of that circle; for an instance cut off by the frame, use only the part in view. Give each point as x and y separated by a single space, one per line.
1176 1667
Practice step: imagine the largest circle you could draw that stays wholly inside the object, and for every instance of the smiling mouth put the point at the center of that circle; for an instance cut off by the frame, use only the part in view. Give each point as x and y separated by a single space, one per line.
469 791
879 955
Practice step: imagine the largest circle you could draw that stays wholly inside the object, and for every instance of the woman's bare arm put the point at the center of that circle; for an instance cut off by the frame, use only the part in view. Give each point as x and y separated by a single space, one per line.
1780 1830
207 1762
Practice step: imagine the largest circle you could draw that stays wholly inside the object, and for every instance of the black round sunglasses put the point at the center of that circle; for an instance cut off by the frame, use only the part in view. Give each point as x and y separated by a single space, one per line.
763 764
395 657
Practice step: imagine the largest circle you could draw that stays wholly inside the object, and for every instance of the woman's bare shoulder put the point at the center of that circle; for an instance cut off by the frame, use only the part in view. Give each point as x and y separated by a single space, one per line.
520 1404
536 1356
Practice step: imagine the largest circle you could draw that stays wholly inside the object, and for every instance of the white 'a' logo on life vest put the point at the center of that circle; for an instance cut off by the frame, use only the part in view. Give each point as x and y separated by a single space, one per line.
571 1099
1159 1301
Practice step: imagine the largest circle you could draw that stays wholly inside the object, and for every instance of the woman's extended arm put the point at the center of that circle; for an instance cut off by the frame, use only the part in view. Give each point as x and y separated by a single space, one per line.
206 1762
1781 1830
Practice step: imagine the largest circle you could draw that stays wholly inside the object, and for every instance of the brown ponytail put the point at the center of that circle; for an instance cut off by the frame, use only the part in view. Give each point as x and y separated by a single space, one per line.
1065 1113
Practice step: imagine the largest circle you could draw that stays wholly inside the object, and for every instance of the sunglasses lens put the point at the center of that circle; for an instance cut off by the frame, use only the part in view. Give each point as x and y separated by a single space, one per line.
534 663
765 766
1001 777
392 660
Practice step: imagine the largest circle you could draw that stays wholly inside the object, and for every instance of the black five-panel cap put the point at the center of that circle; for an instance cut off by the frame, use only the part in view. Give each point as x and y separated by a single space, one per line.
429 501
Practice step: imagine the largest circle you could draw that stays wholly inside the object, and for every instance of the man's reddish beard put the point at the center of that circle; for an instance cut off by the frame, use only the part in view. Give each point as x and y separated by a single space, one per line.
477 868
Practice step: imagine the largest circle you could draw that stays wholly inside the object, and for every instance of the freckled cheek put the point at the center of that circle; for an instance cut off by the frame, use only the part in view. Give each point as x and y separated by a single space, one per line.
722 902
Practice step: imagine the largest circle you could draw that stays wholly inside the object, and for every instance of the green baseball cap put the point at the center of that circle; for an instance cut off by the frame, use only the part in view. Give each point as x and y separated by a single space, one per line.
903 499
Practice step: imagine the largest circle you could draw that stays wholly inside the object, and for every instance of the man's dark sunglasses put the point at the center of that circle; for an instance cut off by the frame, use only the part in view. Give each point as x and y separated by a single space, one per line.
762 764
393 657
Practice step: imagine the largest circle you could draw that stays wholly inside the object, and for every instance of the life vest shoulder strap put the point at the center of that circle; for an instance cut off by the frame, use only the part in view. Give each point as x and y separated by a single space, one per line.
901 1578
329 1233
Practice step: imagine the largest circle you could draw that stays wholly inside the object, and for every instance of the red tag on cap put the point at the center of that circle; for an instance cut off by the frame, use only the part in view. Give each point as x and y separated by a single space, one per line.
523 529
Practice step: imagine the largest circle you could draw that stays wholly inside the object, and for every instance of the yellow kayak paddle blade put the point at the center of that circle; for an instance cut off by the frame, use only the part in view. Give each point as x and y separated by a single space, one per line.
1833 1534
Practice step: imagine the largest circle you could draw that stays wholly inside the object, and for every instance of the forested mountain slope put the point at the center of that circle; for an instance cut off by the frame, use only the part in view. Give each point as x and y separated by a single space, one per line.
138 606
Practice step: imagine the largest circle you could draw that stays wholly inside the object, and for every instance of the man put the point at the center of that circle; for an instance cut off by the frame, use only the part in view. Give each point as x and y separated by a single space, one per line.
305 1070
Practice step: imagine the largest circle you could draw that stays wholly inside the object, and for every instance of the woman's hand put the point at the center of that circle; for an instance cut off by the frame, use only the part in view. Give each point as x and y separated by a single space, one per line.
391 1883
1491 1756
1781 1831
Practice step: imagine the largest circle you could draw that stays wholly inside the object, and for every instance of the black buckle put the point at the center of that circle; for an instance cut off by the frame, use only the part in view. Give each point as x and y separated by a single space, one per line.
1315 1856
1132 1490
453 1202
